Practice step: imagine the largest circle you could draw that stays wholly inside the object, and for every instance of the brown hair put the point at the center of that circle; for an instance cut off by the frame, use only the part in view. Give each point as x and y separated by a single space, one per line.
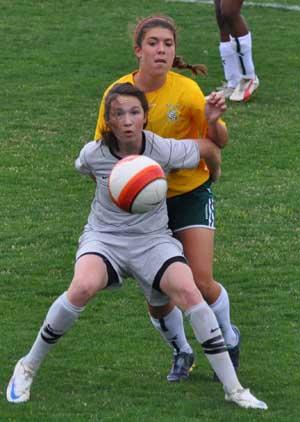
108 137
166 22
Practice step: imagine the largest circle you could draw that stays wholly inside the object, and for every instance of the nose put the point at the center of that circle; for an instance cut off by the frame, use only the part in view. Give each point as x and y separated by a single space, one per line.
161 47
127 120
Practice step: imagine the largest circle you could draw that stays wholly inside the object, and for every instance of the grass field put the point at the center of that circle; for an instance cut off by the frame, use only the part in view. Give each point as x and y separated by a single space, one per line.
56 60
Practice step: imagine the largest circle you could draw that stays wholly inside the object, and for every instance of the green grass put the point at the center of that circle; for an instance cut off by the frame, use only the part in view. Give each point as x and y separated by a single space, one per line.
57 58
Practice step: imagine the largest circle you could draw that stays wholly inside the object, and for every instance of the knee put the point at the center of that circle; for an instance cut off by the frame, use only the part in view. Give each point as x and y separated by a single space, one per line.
81 291
189 296
229 13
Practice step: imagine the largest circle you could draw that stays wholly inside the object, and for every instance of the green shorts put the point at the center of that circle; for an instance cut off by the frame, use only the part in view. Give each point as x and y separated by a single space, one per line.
192 209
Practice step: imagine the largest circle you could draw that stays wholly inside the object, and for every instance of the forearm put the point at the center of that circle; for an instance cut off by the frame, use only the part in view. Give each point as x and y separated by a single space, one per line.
217 132
211 153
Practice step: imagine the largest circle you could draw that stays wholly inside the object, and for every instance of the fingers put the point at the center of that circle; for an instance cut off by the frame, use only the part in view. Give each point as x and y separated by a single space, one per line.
217 100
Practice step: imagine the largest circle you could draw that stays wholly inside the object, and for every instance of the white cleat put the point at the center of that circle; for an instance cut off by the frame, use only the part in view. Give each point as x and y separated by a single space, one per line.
225 90
244 398
244 89
18 389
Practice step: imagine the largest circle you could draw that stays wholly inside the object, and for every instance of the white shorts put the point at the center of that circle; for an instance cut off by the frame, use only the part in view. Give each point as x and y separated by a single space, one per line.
143 257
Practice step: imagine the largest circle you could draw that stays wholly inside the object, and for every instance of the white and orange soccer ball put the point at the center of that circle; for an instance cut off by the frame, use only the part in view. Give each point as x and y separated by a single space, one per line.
137 184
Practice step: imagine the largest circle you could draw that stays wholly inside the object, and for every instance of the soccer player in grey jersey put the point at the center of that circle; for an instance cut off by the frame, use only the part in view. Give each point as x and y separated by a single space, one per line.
115 243
97 159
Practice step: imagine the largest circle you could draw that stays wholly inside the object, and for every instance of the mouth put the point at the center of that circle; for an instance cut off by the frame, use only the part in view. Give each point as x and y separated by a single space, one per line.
160 61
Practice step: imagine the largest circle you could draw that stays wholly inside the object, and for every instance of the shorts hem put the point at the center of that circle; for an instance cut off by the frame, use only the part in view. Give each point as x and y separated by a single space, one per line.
112 275
192 226
163 268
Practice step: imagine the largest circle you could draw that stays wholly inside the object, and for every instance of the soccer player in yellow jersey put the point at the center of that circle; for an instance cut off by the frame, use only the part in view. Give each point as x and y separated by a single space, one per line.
178 109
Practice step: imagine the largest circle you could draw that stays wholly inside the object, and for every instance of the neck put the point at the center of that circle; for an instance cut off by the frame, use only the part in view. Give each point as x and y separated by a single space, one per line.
148 83
130 148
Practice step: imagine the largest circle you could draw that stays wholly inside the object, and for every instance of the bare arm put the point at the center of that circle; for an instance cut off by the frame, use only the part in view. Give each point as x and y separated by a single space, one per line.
211 153
215 107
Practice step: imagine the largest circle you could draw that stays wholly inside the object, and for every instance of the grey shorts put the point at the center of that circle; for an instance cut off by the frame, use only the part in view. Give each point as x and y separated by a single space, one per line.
143 257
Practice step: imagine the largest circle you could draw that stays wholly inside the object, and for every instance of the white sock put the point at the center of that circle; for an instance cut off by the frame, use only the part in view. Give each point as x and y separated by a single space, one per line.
209 335
243 47
230 63
172 330
221 309
59 319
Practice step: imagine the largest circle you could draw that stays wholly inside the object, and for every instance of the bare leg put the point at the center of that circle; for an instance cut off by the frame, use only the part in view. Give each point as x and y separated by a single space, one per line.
200 260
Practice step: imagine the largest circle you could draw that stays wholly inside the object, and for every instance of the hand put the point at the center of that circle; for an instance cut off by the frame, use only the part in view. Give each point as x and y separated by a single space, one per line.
215 106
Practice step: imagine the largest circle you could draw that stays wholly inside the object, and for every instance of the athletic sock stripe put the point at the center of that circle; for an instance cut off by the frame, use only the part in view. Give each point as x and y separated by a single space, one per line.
165 329
162 324
49 340
210 342
214 345
174 344
215 352
49 335
238 49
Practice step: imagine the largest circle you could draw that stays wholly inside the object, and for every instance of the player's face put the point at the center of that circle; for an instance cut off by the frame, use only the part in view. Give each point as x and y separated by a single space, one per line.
156 55
126 120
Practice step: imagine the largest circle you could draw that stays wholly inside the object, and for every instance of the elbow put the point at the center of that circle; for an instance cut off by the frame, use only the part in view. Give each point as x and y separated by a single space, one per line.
221 142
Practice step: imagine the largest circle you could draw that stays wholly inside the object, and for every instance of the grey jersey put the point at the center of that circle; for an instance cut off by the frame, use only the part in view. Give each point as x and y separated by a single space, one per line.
96 159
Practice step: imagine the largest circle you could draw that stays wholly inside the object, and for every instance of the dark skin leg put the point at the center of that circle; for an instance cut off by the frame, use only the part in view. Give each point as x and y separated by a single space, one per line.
229 19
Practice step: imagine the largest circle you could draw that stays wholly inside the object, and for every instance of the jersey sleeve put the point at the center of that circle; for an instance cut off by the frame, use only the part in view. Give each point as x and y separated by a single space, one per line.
81 162
184 154
173 153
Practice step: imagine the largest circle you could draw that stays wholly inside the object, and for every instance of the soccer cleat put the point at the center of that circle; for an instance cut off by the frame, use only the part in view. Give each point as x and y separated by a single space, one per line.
18 389
244 398
234 352
225 90
183 364
244 89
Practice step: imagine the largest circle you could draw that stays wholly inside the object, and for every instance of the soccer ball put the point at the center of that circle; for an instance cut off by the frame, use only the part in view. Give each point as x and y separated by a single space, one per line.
137 184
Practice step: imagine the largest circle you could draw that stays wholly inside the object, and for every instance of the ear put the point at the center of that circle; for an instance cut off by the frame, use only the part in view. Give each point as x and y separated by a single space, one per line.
145 119
107 126
138 52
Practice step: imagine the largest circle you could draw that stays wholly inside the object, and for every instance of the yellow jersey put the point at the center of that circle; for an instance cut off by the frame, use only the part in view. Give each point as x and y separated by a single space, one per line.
176 110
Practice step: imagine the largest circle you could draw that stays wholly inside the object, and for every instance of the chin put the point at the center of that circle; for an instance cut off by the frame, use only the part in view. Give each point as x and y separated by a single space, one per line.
162 70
